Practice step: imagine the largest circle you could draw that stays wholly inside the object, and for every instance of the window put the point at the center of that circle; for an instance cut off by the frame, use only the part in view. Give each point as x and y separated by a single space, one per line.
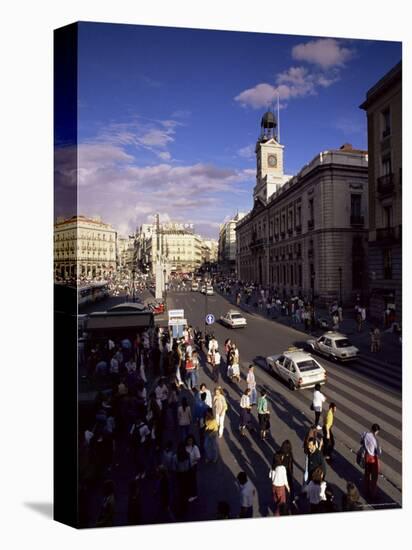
311 210
356 206
387 263
328 342
281 359
386 122
291 275
387 216
300 275
386 166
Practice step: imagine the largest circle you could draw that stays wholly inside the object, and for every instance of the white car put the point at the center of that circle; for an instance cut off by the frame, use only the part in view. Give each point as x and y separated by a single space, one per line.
233 319
195 287
335 346
298 368
209 291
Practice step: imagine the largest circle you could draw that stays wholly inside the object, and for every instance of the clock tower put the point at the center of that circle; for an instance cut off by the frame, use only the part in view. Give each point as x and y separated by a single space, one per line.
269 160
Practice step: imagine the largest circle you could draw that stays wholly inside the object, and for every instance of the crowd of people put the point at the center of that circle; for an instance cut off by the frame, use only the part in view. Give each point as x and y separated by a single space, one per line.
155 418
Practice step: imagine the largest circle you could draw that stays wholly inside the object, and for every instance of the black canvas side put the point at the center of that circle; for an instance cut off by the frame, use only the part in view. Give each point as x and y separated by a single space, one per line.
65 299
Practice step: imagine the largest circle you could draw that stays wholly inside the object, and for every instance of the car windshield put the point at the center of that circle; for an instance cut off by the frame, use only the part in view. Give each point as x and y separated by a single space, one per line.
307 365
236 316
342 343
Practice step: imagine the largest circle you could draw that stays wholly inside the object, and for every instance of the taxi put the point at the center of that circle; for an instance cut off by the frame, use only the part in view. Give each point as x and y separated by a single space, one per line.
233 319
334 345
297 368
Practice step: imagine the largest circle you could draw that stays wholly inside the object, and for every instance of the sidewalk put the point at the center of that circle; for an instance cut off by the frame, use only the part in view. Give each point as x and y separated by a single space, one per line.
391 348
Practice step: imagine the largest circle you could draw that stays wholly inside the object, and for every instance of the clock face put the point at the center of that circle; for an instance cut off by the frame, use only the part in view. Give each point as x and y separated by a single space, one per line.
272 160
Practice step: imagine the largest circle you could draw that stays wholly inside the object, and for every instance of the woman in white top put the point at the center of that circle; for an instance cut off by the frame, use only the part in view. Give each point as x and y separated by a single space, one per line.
278 476
184 418
315 490
251 384
317 402
194 454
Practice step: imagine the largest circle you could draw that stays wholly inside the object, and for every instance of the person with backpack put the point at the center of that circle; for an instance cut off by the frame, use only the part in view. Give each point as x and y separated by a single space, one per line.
371 458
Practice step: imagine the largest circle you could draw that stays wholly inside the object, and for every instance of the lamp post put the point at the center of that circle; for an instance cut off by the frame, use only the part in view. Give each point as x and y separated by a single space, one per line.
340 285
164 289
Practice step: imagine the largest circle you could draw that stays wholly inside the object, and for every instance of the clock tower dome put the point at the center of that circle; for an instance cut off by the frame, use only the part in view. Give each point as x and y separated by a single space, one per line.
269 159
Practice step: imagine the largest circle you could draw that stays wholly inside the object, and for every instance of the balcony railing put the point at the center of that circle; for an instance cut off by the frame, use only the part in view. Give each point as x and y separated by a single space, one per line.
311 224
390 234
386 185
357 220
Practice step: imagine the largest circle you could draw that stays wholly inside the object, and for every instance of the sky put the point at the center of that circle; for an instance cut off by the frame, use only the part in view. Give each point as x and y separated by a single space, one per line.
168 118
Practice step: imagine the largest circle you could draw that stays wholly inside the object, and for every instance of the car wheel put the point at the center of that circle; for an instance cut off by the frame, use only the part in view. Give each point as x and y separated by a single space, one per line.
291 385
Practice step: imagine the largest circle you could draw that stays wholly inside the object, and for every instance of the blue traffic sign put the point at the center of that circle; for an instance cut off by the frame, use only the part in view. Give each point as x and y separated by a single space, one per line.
210 319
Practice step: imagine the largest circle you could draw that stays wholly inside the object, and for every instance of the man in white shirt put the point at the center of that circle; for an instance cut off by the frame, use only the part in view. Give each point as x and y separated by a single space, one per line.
215 362
247 495
208 400
317 402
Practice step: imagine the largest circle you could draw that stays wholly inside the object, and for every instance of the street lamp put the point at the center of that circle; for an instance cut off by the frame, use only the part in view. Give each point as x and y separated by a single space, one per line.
340 285
164 289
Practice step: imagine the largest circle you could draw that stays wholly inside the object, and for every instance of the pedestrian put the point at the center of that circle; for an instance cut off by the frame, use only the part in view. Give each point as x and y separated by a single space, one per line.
195 371
251 384
377 334
286 451
184 418
220 405
372 340
215 362
134 508
263 414
208 399
315 490
181 466
244 411
351 500
247 494
189 372
194 454
314 459
280 485
328 437
211 434
372 453
107 509
139 442
317 402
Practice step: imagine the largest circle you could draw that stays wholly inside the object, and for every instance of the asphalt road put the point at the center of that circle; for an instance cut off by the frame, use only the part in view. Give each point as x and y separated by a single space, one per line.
360 401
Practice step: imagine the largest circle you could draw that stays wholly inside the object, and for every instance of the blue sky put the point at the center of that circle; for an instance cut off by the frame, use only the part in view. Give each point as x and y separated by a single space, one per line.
168 118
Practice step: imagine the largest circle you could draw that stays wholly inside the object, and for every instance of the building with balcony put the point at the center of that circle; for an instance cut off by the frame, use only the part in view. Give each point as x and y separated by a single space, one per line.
227 244
383 106
84 247
310 237
174 243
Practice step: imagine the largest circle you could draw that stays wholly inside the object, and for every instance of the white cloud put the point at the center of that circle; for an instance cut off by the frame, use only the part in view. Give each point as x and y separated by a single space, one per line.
259 96
325 52
247 152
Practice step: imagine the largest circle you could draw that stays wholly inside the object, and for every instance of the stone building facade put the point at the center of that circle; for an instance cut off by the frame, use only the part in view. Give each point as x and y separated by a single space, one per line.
227 244
310 237
383 106
84 247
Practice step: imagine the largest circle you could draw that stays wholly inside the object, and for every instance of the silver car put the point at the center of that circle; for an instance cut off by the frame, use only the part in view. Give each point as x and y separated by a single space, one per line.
334 345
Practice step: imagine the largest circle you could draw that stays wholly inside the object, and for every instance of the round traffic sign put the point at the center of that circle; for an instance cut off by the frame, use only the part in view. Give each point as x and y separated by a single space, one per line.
210 319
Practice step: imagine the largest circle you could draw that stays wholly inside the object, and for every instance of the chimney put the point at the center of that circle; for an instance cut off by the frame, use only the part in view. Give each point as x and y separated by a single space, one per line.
346 147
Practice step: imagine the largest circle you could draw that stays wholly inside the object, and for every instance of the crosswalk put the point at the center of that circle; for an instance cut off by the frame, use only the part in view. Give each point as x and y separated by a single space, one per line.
359 405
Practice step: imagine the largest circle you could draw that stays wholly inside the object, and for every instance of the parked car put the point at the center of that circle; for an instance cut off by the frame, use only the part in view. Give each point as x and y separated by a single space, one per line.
195 286
156 307
298 368
233 319
334 345
209 290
